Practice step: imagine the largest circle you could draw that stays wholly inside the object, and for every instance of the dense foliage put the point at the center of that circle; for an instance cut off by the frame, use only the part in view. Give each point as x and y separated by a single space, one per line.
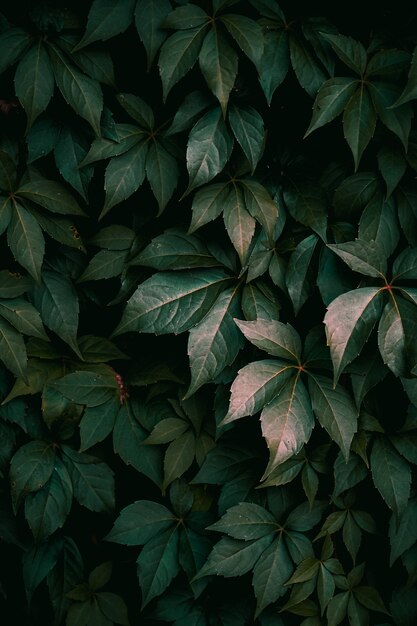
208 322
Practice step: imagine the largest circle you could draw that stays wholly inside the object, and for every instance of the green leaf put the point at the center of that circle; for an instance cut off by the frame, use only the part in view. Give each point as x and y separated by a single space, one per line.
99 350
349 321
137 109
337 608
410 90
100 575
82 93
106 19
7 172
23 316
5 213
215 341
139 522
175 250
246 521
63 577
354 193
158 564
178 457
208 204
92 480
26 241
113 607
287 422
12 349
370 598
208 149
391 475
97 423
101 148
192 293
270 574
407 212
330 101
218 63
34 82
274 337
261 206
397 120
350 52
335 410
240 225
232 557
348 473
114 237
255 386
98 65
167 430
402 531
89 388
306 203
37 562
274 63
47 509
188 112
149 16
178 55
13 43
395 335
162 171
297 277
184 17
247 33
379 223
392 165
248 128
69 151
365 257
50 195
308 72
124 175
128 435
57 303
104 264
14 284
359 121
260 302
405 265
30 468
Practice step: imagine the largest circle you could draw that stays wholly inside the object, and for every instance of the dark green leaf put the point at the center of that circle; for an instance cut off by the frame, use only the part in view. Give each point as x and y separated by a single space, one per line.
107 19
34 82
82 93
150 310
391 475
214 342
297 278
349 321
162 171
331 100
149 16
89 388
306 203
12 349
274 337
92 480
218 64
246 521
158 564
335 410
97 423
209 148
271 573
274 63
26 241
47 509
350 52
13 43
50 195
124 175
247 34
232 557
139 522
178 55
57 303
30 468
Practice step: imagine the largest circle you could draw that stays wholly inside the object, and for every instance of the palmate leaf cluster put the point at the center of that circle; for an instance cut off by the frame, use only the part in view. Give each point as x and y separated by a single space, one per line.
208 314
